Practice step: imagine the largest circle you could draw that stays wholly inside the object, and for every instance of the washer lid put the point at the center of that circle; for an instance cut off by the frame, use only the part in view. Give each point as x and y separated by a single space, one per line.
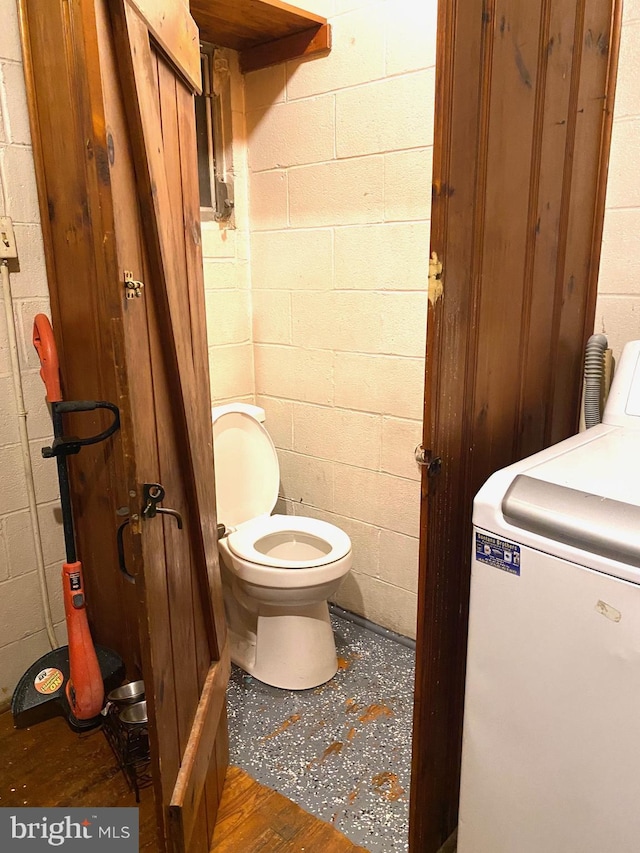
246 468
586 497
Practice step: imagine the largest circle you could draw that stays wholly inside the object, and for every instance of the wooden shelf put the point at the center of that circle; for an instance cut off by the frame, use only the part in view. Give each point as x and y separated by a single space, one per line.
264 32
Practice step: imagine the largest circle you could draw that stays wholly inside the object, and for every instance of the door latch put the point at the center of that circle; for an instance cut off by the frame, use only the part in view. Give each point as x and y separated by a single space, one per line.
153 494
133 288
426 459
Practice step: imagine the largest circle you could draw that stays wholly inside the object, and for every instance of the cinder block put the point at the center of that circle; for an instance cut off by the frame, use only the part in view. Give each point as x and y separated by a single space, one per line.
38 417
279 420
4 555
383 257
5 360
347 320
31 281
19 542
622 192
388 115
627 97
50 517
337 434
13 494
271 316
410 29
17 657
228 316
9 433
218 241
55 594
265 87
19 180
17 120
20 608
292 259
268 203
399 440
305 480
387 385
618 317
630 12
338 193
407 185
620 260
382 603
404 323
358 494
231 371
293 373
45 474
225 275
10 31
357 56
24 311
291 134
399 556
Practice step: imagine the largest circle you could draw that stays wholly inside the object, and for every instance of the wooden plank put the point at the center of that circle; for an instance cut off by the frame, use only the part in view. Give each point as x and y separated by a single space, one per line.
69 176
198 755
240 24
502 144
137 80
176 33
303 45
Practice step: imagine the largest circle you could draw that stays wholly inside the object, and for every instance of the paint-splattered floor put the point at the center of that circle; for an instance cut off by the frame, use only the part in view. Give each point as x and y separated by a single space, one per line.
341 751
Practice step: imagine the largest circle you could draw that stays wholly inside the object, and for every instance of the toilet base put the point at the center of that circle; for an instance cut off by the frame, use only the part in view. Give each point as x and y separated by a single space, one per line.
293 649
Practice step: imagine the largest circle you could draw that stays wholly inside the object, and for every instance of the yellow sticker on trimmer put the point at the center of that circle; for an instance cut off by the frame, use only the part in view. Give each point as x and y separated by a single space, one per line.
48 680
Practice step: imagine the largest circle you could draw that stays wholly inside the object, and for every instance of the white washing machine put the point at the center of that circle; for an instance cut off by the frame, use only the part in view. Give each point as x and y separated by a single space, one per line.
551 745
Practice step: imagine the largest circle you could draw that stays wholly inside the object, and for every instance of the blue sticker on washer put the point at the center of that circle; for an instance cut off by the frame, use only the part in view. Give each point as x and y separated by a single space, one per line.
499 553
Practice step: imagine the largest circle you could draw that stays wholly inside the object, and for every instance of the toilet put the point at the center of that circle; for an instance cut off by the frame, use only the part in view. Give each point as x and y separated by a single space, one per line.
278 571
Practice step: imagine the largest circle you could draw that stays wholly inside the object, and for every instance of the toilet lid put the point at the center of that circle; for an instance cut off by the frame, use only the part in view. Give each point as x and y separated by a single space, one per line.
246 469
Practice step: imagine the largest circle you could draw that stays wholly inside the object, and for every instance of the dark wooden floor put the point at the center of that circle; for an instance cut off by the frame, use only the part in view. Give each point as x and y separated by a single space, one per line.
49 765
255 819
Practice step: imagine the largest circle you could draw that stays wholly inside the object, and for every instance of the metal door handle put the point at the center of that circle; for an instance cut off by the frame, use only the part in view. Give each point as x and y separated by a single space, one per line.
153 494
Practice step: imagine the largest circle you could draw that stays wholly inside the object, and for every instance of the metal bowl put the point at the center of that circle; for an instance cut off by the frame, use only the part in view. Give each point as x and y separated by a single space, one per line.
128 693
135 715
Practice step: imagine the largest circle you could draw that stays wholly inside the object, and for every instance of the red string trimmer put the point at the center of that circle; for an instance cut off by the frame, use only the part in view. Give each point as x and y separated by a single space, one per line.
70 680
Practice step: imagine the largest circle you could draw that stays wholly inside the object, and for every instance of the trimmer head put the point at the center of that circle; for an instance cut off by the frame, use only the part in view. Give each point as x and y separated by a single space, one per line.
41 692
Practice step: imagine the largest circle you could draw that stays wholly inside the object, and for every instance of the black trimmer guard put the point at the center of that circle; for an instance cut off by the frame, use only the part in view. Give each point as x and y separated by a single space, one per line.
41 692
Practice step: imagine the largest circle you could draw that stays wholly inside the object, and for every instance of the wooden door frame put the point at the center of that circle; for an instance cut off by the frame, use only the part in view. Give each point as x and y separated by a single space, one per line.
445 555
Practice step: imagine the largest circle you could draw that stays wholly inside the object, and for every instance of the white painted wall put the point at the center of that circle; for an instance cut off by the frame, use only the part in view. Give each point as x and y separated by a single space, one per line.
225 249
618 309
22 635
339 152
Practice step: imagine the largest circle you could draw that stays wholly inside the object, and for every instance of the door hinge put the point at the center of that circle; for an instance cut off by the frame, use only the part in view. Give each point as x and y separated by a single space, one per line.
426 459
133 288
436 286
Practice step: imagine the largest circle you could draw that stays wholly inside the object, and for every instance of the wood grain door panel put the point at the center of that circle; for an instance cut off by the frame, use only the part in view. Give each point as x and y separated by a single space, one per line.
128 151
524 94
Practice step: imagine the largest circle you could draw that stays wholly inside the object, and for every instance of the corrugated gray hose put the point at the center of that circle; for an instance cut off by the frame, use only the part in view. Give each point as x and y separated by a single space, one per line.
593 378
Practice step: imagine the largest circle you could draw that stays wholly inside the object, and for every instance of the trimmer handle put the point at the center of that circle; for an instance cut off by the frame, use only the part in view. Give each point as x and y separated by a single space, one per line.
45 345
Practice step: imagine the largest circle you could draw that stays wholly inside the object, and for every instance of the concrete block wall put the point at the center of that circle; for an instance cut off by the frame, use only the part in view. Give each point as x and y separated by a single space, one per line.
225 249
339 154
22 634
618 308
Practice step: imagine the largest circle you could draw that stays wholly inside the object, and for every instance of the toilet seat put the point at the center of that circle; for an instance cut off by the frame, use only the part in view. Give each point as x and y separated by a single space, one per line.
246 542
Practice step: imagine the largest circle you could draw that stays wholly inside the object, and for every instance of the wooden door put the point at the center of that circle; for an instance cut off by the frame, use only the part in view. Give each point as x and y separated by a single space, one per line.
125 74
523 114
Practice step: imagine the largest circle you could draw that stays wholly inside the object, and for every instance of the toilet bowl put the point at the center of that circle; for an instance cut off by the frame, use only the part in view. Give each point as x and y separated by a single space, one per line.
278 571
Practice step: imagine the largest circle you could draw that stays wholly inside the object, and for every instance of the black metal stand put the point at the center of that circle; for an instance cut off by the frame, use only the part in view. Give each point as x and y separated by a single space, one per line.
130 745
